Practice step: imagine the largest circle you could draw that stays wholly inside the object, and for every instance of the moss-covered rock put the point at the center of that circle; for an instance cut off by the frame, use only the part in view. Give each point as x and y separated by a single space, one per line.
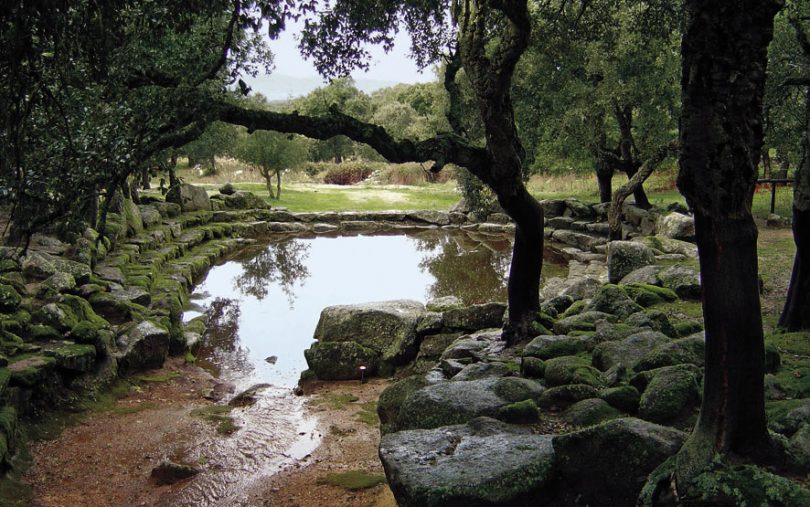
483 369
550 346
689 350
787 416
392 398
648 295
625 398
653 319
449 403
29 371
575 308
612 299
685 328
142 346
520 412
684 281
532 367
9 299
628 351
475 317
585 321
481 463
608 464
341 360
589 412
42 265
387 328
572 370
74 357
562 396
672 391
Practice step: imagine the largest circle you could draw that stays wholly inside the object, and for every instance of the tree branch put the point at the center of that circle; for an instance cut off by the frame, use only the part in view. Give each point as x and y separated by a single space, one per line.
442 149
614 211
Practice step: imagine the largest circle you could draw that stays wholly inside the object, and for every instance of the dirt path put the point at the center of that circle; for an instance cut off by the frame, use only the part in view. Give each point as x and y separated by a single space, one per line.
107 459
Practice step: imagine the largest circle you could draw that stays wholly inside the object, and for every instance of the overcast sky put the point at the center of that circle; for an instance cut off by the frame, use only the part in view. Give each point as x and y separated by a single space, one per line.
393 67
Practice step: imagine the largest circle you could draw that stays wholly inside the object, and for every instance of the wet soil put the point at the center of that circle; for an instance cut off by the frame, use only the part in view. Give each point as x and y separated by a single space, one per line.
107 459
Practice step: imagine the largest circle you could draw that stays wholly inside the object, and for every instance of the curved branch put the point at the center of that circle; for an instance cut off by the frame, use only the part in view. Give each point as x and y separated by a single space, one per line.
442 149
614 210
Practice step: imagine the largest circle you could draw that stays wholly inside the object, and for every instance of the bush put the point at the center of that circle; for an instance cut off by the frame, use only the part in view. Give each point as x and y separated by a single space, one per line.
412 174
347 173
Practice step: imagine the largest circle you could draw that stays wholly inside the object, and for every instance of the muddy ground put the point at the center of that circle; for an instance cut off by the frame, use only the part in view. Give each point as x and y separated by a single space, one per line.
107 459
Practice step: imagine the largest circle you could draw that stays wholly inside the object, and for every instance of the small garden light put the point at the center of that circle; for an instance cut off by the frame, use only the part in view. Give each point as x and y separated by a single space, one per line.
362 374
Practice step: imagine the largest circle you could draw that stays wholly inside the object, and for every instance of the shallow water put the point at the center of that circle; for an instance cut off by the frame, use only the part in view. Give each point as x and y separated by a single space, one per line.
262 307
268 298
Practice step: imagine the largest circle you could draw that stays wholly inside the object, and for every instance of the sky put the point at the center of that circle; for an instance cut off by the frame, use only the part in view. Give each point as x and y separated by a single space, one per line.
294 76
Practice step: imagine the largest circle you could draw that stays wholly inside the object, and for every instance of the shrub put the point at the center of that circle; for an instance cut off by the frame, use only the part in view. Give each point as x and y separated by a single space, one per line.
348 173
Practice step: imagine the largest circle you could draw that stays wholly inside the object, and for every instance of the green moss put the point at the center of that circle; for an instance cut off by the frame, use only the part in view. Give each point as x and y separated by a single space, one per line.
793 343
576 308
368 413
189 358
539 329
648 295
793 377
745 485
9 299
83 311
353 480
572 370
392 398
41 332
687 327
521 412
15 493
218 415
197 324
335 401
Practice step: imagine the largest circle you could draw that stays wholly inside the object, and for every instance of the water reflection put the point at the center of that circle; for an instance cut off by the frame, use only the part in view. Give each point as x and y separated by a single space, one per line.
281 264
472 268
221 349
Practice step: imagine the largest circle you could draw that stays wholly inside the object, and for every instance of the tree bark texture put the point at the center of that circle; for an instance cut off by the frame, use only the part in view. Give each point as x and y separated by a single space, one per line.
629 153
796 314
490 73
724 58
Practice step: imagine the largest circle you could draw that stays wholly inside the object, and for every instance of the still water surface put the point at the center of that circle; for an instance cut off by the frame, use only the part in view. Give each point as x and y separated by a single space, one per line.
270 295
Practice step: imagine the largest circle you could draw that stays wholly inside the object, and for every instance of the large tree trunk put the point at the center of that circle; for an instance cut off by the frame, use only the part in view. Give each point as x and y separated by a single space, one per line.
724 55
796 314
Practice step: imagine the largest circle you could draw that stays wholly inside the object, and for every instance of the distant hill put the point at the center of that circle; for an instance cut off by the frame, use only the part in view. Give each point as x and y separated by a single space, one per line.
279 87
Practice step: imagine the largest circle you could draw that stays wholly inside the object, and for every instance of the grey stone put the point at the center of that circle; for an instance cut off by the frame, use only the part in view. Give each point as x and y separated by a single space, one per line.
624 257
585 321
581 288
684 281
189 197
141 347
646 274
475 346
457 402
444 303
227 189
581 240
627 352
613 300
481 370
43 265
111 273
341 360
387 327
475 317
676 226
150 215
668 245
689 350
454 466
548 346
242 199
60 282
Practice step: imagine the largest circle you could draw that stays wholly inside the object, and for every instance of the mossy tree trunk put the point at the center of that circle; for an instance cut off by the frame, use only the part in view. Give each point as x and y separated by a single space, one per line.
724 58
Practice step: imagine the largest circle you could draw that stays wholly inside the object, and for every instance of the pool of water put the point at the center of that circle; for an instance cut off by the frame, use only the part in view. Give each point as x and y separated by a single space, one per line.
265 301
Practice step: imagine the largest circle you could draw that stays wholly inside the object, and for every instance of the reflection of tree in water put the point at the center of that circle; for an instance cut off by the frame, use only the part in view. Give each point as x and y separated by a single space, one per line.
474 269
280 263
220 346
